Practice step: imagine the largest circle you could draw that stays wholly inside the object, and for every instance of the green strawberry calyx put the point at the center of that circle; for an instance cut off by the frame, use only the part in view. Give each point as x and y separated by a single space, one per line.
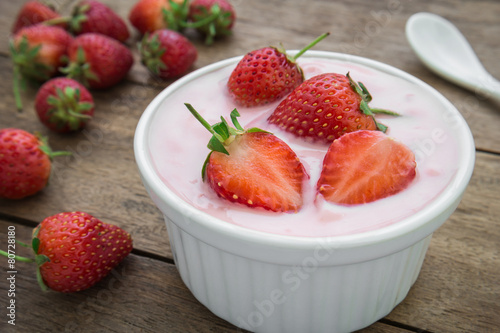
74 20
311 45
213 21
151 52
366 98
39 259
26 66
293 59
44 147
67 109
79 69
222 133
176 16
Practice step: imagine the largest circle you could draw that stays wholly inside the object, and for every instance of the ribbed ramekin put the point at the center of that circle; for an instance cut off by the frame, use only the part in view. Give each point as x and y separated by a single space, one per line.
266 282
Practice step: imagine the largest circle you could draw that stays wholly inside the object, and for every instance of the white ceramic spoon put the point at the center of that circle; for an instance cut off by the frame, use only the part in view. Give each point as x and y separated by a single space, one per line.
443 48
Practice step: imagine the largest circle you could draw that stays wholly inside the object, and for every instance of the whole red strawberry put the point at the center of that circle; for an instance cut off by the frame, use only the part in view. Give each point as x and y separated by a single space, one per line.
152 15
64 105
213 18
37 52
98 61
266 75
94 16
25 163
365 166
75 250
252 167
31 13
167 53
325 107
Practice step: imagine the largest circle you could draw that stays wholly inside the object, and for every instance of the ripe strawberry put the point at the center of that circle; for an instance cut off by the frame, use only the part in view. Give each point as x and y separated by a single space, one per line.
252 167
325 107
365 166
94 16
98 61
167 53
74 251
64 105
24 163
151 15
37 52
213 18
266 75
31 13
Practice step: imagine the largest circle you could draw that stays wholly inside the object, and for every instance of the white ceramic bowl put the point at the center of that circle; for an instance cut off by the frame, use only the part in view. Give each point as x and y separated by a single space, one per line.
266 282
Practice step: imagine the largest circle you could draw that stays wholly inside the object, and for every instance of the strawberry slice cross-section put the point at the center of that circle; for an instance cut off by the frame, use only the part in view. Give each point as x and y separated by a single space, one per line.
252 167
365 166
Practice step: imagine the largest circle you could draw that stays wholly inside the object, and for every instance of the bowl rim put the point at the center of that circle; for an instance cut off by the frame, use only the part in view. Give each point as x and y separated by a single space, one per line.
449 196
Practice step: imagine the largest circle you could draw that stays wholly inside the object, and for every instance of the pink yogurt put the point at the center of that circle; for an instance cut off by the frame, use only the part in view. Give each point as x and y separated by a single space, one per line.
178 150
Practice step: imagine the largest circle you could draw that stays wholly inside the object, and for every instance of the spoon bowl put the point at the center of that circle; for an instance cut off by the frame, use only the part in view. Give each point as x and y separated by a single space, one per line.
444 50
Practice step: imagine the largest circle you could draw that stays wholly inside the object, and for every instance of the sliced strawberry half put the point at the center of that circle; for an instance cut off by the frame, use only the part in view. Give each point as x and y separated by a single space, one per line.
252 167
365 166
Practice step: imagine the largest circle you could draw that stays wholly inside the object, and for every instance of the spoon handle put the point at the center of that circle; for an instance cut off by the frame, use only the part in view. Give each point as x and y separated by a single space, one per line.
489 87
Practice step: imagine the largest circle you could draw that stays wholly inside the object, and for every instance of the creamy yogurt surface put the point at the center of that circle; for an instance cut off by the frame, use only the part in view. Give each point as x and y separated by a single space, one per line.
178 150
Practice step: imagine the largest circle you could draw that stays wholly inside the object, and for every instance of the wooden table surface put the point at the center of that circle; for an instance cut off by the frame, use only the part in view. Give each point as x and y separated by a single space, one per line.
458 289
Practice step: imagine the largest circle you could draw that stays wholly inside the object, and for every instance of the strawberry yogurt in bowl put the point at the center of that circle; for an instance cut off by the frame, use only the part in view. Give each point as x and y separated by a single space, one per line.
326 267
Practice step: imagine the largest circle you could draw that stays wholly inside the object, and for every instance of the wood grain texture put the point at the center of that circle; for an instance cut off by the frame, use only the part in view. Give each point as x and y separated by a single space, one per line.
458 287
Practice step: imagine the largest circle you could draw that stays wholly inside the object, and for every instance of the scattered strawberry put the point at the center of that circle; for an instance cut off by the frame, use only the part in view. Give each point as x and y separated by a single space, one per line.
252 167
325 107
98 61
167 53
64 105
94 16
31 13
25 163
213 18
74 251
78 250
37 52
266 75
365 166
152 15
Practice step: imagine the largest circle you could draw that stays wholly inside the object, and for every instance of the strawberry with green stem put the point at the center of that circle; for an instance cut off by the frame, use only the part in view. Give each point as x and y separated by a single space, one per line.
74 251
64 105
97 61
25 163
37 53
252 167
325 107
94 16
266 75
167 53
